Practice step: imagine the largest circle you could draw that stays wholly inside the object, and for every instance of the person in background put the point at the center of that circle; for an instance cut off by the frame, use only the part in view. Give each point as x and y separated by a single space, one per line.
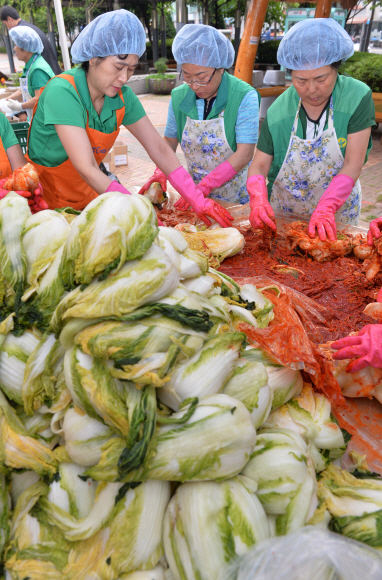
315 138
22 117
213 116
366 347
11 18
79 113
37 72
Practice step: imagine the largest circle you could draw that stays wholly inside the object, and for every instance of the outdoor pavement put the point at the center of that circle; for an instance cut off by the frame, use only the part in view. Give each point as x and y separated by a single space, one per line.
4 64
140 166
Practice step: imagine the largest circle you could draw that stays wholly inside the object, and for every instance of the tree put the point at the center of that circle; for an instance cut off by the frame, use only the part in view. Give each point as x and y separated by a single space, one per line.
170 28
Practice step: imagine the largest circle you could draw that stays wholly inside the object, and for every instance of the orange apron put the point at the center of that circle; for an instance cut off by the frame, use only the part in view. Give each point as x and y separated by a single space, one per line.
5 166
62 184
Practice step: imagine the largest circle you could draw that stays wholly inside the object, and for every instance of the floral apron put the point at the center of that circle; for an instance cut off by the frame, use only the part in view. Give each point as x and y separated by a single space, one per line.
205 146
24 90
306 172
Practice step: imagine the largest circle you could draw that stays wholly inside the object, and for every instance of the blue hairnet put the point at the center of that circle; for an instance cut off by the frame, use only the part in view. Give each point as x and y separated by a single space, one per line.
314 43
112 33
26 38
203 45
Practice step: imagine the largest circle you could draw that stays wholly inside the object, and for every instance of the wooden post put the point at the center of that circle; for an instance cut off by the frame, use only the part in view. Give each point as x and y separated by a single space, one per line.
250 41
323 8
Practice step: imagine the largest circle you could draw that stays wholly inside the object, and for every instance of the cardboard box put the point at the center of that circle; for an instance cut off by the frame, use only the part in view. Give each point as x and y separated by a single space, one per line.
120 153
109 161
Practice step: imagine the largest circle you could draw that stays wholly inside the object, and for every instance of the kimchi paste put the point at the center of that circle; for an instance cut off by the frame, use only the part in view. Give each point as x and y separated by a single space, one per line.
340 285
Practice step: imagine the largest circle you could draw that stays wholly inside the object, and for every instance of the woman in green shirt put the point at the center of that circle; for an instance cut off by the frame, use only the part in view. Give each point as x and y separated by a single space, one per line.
79 113
315 137
37 72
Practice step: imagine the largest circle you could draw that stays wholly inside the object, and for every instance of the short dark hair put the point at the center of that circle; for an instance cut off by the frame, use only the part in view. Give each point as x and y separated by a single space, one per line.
8 11
335 65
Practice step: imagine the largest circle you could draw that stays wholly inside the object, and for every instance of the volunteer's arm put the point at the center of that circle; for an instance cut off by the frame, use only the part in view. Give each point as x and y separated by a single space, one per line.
16 157
340 188
172 142
261 164
170 137
156 147
168 163
17 94
77 146
19 107
261 210
31 103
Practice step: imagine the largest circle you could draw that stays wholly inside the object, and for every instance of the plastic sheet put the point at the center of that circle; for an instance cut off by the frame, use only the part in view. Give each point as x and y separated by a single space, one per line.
309 554
288 339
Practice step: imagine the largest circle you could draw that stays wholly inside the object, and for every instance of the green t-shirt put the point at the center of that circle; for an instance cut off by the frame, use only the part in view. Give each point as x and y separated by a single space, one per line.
40 73
60 104
362 118
7 134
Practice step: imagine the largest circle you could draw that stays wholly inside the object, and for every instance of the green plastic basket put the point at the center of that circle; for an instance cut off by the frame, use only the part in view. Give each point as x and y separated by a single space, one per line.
21 132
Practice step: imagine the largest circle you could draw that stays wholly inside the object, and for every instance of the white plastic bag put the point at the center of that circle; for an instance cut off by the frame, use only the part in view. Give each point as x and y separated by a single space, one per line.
309 554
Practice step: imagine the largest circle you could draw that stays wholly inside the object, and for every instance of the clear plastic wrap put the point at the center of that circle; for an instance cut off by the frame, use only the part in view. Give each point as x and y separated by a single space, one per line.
309 554
289 337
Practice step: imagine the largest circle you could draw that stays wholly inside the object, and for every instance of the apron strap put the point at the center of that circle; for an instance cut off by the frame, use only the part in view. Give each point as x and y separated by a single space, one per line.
120 112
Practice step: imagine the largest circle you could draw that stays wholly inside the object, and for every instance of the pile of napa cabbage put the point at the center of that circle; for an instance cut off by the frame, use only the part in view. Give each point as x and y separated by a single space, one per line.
139 431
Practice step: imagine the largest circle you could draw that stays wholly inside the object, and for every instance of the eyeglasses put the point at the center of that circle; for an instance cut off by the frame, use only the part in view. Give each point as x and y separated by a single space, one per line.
196 83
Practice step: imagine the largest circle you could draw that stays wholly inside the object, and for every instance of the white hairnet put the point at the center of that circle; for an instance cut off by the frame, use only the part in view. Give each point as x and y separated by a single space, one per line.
26 38
314 43
203 45
112 33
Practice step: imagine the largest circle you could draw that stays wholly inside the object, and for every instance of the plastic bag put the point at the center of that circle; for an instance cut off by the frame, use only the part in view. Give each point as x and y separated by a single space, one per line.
309 554
288 338
311 313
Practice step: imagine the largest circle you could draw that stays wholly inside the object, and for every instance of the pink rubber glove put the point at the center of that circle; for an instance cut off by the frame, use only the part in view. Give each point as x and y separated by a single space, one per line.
374 230
261 209
157 177
323 217
115 186
367 345
181 180
38 192
220 175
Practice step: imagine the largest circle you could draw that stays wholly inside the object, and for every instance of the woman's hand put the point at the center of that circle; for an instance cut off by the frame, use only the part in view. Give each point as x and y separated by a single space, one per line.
367 346
181 180
374 230
157 177
261 210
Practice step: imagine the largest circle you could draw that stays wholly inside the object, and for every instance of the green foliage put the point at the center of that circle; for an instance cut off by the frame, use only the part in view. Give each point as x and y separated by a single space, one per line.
275 13
267 52
149 49
161 65
367 69
170 28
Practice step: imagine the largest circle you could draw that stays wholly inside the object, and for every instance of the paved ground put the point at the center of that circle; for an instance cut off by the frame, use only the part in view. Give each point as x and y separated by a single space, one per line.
4 64
141 167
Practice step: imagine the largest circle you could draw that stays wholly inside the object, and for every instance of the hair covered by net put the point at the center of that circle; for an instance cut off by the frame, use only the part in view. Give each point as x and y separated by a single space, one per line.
309 554
314 43
112 33
204 46
27 39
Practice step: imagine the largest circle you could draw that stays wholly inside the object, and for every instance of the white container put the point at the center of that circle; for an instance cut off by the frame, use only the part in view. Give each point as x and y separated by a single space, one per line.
257 78
264 105
274 78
